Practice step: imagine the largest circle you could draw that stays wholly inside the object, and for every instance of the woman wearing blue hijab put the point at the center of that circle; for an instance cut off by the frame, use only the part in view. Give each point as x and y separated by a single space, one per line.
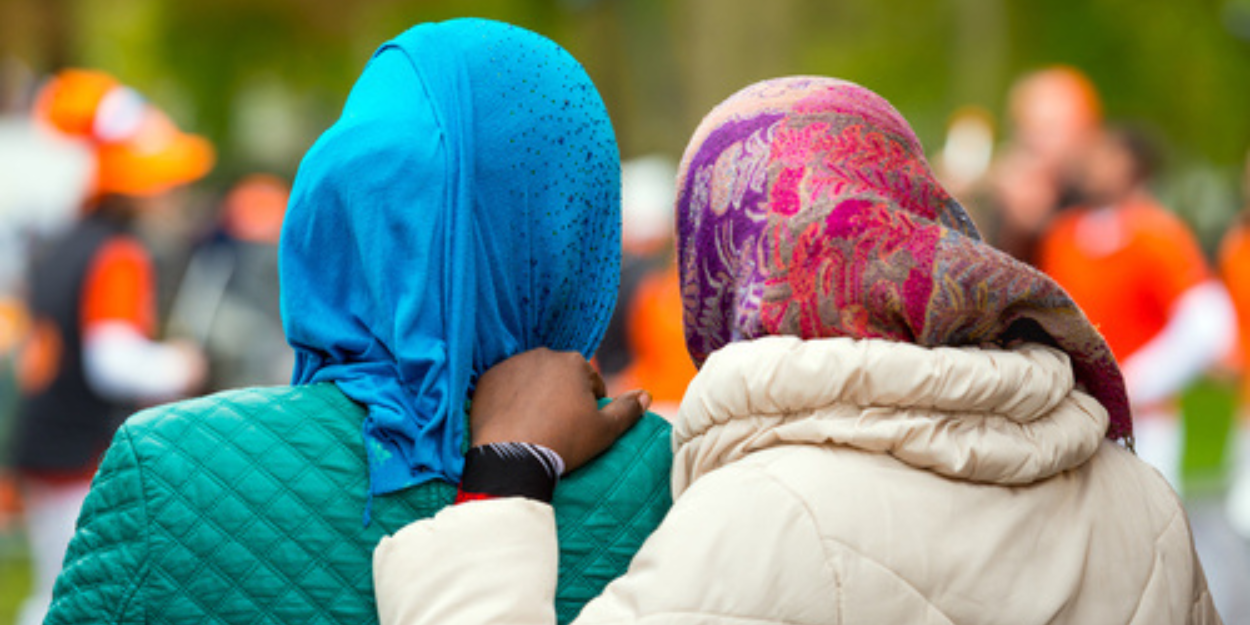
463 209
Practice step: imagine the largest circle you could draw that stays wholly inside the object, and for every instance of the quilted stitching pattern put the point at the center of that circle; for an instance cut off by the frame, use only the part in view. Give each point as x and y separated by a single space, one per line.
108 530
186 524
602 524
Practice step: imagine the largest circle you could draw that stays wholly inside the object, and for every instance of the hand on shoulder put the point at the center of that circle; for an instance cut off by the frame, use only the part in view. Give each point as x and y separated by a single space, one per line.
550 398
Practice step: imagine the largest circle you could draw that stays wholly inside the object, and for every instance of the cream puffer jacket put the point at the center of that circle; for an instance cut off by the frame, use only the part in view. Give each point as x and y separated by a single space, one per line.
841 481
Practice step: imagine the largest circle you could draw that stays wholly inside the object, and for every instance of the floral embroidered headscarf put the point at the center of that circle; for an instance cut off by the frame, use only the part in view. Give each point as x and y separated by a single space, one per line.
806 208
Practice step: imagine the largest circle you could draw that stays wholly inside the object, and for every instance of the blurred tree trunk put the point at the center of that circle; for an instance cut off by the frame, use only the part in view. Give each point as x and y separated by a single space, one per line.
980 55
655 97
37 32
729 44
602 54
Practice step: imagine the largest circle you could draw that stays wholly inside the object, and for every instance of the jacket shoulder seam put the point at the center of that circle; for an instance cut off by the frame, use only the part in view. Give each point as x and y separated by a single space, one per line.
825 541
810 516
902 580
1154 567
144 565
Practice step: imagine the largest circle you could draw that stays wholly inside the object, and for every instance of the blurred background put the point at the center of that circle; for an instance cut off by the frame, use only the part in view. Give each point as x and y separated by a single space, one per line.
260 79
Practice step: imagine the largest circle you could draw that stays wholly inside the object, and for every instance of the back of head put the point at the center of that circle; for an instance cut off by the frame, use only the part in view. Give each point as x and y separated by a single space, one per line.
1142 146
1121 161
463 209
806 208
253 209
1055 111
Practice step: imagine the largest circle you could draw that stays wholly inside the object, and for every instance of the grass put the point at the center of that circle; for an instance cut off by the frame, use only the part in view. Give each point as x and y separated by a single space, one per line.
14 574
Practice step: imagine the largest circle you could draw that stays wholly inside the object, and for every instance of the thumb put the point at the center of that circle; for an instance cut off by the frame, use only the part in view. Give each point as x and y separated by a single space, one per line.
624 411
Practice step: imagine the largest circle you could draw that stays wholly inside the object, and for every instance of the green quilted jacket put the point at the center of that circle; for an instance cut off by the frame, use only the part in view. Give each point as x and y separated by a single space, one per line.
247 507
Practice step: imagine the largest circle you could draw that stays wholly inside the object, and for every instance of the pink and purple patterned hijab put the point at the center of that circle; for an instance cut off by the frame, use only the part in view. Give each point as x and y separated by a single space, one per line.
806 208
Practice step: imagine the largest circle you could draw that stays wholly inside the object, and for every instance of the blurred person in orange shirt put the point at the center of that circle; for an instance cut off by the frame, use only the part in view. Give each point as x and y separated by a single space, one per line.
1234 266
89 358
644 347
1139 275
1055 114
656 339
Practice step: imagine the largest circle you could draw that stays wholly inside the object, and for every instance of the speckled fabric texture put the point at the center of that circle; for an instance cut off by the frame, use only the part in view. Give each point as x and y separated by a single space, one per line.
463 209
806 208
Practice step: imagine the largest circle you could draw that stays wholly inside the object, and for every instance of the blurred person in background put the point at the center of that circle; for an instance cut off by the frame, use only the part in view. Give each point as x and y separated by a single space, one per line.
963 164
647 191
228 297
646 332
89 358
1055 113
1234 267
1138 273
659 364
43 178
968 150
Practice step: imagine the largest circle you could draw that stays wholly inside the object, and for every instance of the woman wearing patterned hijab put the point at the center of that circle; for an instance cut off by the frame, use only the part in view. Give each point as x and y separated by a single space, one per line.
464 208
893 422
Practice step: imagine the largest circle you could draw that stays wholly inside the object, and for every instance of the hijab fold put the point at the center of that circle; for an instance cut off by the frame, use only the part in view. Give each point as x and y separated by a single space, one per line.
463 209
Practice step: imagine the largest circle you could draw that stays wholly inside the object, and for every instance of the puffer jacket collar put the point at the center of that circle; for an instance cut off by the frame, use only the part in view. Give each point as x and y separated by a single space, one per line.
1008 417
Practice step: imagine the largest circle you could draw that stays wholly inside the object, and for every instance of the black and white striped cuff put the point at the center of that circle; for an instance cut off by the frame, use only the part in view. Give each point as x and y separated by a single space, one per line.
511 470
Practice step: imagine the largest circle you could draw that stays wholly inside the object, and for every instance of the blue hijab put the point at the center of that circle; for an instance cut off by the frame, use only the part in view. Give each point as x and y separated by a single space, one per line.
463 209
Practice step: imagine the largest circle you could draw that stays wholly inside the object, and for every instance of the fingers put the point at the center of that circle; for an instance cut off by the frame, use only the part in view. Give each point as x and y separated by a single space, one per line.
597 384
625 411
540 397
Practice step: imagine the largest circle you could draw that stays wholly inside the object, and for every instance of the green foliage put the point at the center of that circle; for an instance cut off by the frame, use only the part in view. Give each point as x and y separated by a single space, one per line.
14 572
1173 64
662 63
1209 409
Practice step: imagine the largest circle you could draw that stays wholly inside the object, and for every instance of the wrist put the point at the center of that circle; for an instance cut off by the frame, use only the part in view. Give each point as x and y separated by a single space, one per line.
499 470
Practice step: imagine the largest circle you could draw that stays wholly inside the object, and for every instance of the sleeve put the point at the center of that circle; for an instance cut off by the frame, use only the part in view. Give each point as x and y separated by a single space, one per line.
491 561
1176 261
715 558
120 287
1198 333
118 316
105 565
1200 318
122 364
